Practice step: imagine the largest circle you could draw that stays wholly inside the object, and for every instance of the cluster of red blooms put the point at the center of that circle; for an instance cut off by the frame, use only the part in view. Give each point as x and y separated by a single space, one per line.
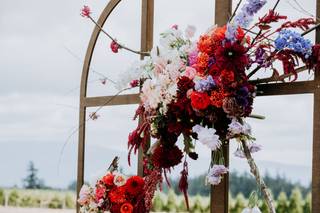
124 198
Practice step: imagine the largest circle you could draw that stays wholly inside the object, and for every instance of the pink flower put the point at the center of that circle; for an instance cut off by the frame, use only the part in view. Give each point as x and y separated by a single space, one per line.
175 26
190 72
134 83
114 46
85 11
84 195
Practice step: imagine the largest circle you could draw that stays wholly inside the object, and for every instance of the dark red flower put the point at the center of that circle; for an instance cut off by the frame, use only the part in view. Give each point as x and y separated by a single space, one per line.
166 157
231 56
184 84
199 100
226 77
134 185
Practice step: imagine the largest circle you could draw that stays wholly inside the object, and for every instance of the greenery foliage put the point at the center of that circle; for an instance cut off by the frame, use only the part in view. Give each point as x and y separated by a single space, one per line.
2 197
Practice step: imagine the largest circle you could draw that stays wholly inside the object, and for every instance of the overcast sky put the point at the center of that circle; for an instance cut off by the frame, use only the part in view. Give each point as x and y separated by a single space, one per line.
42 45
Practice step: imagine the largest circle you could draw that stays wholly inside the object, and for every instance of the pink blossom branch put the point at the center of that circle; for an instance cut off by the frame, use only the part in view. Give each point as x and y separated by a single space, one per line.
114 40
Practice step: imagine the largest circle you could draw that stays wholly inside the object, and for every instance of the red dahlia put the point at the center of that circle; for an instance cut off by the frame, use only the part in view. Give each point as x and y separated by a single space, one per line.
134 185
231 56
166 157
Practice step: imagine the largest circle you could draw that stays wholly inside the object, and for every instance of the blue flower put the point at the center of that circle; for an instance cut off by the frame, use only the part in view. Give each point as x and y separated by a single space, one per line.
203 85
288 39
244 17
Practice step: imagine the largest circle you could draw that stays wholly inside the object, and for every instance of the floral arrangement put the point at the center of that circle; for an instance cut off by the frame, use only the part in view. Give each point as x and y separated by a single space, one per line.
116 193
201 91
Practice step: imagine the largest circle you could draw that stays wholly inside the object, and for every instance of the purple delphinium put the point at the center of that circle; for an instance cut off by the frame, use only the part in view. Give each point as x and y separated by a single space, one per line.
289 39
203 85
244 17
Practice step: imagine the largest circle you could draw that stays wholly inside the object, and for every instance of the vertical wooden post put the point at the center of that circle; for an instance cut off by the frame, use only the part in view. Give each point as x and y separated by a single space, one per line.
147 16
219 193
316 132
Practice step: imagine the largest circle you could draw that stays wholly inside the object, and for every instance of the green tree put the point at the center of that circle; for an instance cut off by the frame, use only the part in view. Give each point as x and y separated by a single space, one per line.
32 181
171 203
13 198
282 203
239 205
307 204
2 197
295 203
264 207
158 203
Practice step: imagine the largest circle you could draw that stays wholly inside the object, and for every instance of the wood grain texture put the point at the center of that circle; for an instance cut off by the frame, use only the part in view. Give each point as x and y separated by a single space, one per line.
219 193
316 133
147 19
111 100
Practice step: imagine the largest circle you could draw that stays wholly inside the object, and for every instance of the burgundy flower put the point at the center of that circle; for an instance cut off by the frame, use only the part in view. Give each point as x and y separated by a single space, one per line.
231 56
166 157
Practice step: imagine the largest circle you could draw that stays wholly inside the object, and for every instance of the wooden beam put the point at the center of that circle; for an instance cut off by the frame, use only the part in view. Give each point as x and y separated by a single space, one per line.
111 100
147 19
220 193
299 87
316 132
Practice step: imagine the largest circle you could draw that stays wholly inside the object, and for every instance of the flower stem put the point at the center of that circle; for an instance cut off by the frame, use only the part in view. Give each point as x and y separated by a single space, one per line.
113 39
255 171
235 11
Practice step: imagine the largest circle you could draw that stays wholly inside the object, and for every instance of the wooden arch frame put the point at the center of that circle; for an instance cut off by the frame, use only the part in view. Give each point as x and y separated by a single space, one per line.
219 203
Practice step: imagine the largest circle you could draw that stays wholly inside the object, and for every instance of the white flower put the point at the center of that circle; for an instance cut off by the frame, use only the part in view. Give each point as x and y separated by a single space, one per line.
119 179
189 32
215 174
253 210
84 195
207 137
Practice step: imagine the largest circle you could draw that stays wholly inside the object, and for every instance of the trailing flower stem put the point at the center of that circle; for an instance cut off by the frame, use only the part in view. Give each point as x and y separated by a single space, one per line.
255 171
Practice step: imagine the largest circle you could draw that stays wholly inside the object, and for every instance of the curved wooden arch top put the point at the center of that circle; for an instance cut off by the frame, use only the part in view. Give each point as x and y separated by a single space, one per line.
92 43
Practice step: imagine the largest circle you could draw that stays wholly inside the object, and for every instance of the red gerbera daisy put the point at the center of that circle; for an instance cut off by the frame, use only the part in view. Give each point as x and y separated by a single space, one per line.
134 185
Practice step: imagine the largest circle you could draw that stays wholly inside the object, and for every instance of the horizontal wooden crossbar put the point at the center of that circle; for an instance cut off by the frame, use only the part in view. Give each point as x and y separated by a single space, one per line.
302 87
111 100
299 87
